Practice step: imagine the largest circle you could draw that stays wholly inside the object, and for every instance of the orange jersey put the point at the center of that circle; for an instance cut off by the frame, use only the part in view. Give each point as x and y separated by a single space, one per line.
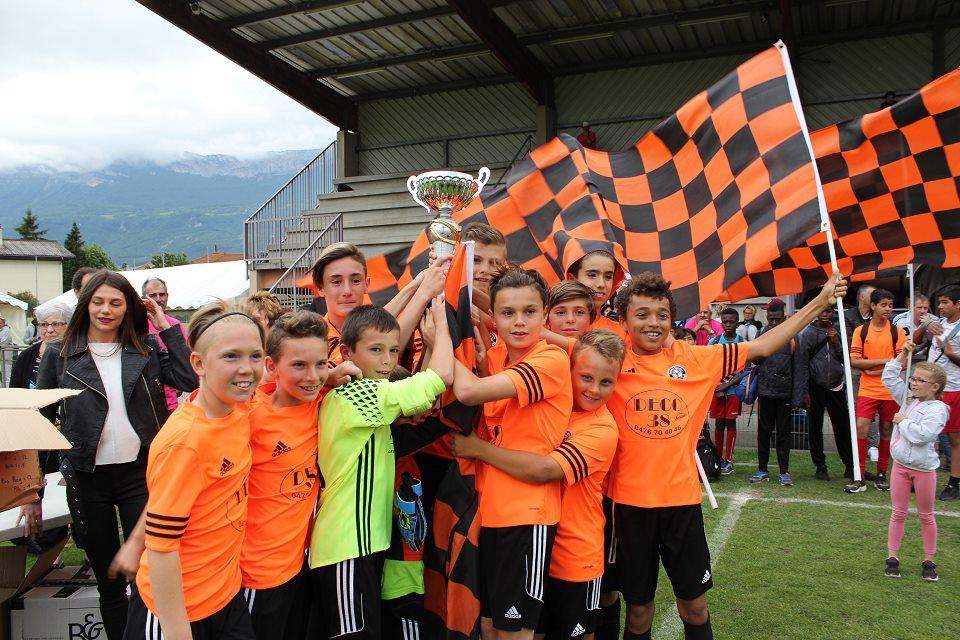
585 457
534 421
660 403
879 346
603 322
334 357
197 482
284 483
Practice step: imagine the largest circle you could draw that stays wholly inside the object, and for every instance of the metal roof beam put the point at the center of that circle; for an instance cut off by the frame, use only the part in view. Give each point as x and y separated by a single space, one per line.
383 63
515 57
322 100
291 9
357 27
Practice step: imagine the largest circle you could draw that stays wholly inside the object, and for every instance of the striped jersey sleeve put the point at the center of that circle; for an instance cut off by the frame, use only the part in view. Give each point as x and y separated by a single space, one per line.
541 375
586 451
734 358
174 480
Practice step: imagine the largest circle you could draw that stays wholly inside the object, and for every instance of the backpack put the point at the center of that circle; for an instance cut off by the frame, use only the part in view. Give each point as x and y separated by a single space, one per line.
893 333
746 389
709 455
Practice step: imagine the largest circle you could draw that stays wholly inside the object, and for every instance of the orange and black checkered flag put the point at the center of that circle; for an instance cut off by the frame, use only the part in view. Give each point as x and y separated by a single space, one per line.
890 182
718 190
451 557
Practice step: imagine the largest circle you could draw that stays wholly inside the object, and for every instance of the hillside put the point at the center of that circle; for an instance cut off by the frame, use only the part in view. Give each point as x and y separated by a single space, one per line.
135 210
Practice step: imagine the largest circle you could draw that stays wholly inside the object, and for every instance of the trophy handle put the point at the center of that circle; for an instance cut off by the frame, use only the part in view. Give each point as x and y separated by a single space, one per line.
482 177
412 188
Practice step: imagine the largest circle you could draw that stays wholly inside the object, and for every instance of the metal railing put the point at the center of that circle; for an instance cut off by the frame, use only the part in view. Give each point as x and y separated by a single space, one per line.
525 147
8 354
265 231
285 288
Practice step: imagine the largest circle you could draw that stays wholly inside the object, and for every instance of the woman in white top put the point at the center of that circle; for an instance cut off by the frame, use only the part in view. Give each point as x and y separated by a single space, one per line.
121 370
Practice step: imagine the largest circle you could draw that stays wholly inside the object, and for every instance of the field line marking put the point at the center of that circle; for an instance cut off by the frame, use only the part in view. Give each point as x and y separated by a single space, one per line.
669 625
830 503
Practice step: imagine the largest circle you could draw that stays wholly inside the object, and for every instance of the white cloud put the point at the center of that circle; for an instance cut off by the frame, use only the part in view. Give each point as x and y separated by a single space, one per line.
86 82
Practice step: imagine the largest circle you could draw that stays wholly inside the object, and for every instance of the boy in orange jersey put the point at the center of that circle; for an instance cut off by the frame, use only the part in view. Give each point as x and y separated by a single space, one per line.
526 405
572 599
660 403
489 252
284 481
188 585
570 309
873 344
602 274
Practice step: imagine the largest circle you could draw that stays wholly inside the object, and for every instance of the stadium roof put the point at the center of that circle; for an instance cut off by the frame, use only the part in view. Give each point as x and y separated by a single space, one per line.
331 54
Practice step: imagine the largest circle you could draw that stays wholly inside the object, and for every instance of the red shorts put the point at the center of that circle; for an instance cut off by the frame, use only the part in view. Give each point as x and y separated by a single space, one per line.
952 400
869 408
725 407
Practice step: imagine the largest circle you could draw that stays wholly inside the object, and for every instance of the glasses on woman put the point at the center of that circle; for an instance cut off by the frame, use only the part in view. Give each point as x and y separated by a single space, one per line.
916 379
52 325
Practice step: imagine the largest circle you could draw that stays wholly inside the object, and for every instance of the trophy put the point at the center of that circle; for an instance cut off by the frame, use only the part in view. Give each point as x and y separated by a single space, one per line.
445 192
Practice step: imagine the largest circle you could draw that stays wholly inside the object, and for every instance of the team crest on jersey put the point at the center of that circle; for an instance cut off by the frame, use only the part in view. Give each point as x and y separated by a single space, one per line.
567 435
677 372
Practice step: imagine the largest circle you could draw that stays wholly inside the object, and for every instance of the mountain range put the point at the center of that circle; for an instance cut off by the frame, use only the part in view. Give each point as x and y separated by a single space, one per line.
135 210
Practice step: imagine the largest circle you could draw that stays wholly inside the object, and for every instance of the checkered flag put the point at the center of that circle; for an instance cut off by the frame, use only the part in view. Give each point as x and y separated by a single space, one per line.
890 182
718 190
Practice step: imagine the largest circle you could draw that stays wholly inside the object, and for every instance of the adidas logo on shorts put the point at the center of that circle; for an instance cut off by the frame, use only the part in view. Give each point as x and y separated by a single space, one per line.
578 631
512 613
225 466
280 449
706 576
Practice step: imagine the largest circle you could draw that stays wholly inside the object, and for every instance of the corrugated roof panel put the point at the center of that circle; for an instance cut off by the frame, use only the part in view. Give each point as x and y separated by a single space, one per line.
865 66
951 49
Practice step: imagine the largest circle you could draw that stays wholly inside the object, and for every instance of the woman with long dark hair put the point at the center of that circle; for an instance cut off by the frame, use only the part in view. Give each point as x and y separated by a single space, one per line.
121 370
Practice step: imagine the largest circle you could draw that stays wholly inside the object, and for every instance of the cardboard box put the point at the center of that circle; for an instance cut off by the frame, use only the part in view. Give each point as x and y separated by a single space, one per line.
59 612
23 431
13 562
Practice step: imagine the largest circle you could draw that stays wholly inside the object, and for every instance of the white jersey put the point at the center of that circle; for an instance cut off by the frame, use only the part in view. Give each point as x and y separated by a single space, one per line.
936 354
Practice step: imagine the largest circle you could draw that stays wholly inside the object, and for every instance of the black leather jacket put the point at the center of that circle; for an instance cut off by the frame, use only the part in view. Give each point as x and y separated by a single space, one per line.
143 376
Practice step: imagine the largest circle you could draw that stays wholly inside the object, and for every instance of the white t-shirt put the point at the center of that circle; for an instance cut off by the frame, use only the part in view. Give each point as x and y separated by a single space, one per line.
936 355
119 443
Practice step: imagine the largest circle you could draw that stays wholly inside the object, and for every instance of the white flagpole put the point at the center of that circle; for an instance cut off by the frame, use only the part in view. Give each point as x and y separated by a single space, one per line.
826 227
913 327
707 489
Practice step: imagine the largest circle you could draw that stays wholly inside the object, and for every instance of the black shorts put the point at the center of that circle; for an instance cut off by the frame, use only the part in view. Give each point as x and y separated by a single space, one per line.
609 582
571 609
673 535
348 595
272 610
230 623
514 563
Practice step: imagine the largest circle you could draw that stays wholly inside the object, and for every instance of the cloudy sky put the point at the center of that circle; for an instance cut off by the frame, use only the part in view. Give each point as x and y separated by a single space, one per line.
87 82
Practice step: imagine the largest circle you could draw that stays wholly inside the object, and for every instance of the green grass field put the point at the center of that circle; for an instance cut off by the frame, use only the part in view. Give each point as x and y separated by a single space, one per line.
807 562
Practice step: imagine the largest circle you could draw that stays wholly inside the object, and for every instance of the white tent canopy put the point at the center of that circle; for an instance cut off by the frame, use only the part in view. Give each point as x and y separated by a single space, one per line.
14 312
190 286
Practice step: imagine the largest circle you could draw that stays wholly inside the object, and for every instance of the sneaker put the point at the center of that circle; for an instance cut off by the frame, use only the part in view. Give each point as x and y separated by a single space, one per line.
848 473
760 476
868 476
881 483
786 480
893 568
929 571
857 486
726 467
950 492
822 474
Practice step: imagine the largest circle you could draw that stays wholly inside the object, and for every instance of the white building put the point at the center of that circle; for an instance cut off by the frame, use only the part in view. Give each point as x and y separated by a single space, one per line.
32 265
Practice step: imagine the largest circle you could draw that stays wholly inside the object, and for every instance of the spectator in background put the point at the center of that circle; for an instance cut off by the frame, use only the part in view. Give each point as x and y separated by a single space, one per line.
155 290
820 351
781 385
6 336
53 317
80 278
264 308
889 99
586 137
704 326
921 318
749 326
725 406
32 333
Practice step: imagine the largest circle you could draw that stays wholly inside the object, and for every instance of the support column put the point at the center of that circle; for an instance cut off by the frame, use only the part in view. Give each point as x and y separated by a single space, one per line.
938 67
546 124
348 160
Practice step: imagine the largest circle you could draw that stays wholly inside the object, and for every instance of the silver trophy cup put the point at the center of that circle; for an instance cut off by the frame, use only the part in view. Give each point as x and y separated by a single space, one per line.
445 192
